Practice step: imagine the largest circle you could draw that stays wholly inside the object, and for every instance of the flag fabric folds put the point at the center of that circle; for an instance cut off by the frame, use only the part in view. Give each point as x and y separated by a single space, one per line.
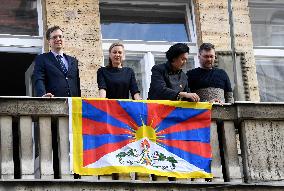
165 138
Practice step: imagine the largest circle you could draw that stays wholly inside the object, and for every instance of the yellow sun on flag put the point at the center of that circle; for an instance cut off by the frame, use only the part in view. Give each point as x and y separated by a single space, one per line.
146 131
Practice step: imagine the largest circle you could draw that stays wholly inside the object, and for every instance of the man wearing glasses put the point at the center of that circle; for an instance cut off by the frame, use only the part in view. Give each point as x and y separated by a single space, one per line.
209 83
55 73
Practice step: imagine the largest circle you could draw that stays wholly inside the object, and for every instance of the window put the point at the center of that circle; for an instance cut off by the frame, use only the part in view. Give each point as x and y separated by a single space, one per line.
21 26
270 77
21 39
147 29
267 19
147 22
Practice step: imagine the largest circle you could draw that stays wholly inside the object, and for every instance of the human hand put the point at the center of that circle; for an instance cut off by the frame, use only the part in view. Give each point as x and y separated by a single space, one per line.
193 96
216 101
48 95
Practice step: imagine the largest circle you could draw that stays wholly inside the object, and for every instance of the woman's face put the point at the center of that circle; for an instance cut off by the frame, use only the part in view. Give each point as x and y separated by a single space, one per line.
180 61
116 56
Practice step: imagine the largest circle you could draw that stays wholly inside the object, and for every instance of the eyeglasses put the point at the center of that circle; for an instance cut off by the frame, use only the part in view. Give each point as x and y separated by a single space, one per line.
56 36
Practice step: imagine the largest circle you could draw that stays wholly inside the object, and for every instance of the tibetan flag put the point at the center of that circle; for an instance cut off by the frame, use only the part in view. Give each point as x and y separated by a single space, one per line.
165 138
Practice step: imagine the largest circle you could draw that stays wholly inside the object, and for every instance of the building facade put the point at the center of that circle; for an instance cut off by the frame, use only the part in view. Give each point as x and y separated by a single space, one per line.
247 148
250 28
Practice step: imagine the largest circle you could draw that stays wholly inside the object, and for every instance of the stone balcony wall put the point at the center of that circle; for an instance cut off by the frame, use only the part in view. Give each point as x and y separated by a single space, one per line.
246 140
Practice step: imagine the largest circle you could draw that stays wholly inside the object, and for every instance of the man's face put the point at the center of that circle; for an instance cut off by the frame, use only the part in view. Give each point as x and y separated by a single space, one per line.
207 58
56 40
180 61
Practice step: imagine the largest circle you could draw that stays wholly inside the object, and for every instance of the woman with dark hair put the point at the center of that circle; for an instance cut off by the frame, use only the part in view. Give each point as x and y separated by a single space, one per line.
114 80
168 81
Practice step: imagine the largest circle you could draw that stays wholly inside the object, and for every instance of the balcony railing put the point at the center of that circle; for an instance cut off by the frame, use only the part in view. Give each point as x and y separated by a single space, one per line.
246 139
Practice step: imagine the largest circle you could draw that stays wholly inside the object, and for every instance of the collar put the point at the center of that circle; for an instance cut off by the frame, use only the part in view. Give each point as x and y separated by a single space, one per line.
55 54
170 69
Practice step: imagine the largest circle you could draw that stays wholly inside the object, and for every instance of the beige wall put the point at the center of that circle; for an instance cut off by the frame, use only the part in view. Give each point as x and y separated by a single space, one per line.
244 43
212 21
80 22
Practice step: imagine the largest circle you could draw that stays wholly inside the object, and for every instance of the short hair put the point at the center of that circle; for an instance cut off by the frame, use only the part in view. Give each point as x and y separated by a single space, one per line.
50 30
176 50
206 47
110 48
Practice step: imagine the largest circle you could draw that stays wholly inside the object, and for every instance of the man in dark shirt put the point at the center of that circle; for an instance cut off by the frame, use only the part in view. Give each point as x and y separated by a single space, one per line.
211 84
168 81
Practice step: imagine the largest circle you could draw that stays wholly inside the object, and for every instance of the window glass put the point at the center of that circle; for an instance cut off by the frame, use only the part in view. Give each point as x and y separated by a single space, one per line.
270 79
267 19
19 17
144 22
134 63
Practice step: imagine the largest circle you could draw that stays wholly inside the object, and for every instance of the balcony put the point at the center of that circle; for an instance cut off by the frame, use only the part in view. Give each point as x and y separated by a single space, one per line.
246 139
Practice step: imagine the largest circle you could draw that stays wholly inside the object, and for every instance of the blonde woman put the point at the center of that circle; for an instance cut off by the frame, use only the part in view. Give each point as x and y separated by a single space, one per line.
114 80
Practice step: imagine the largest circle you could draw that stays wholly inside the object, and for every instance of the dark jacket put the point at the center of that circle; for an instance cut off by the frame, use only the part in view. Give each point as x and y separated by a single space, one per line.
49 78
161 87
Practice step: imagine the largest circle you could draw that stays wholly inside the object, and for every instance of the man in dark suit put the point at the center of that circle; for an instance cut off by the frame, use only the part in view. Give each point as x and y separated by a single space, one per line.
55 73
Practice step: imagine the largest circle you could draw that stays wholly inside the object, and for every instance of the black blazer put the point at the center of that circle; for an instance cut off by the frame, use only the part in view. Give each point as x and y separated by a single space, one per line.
48 77
161 87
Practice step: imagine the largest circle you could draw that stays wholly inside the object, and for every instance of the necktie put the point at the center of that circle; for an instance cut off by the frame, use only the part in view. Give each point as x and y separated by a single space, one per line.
63 68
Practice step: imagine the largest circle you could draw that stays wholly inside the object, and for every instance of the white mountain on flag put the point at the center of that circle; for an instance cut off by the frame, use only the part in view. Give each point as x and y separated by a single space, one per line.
147 154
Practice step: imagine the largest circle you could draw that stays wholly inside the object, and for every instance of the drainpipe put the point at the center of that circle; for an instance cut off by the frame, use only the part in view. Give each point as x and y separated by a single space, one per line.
233 49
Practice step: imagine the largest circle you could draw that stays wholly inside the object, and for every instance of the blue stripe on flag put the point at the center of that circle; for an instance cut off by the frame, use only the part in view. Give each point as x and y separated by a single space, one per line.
200 162
136 110
177 116
94 141
91 112
201 135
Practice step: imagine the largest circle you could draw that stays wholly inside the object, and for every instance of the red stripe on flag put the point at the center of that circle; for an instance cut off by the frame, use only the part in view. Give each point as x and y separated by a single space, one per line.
91 156
200 121
112 108
91 127
198 148
157 112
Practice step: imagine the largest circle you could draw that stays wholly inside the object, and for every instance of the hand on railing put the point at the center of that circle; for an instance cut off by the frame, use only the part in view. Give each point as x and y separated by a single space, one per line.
48 95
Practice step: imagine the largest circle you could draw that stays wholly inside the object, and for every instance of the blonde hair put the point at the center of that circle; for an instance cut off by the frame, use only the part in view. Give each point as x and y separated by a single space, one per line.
110 48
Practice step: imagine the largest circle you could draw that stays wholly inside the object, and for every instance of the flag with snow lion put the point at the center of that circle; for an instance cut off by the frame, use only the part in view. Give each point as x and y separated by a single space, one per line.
165 138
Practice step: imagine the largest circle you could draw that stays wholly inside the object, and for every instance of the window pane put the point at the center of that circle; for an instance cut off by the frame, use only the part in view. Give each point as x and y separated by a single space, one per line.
134 63
143 22
270 79
267 19
18 17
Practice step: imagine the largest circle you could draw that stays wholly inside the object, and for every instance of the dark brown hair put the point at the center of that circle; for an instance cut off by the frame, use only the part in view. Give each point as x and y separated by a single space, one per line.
50 30
206 47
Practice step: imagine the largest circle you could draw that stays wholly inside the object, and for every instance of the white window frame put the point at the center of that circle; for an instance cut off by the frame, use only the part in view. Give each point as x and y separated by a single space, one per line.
149 49
24 43
267 52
